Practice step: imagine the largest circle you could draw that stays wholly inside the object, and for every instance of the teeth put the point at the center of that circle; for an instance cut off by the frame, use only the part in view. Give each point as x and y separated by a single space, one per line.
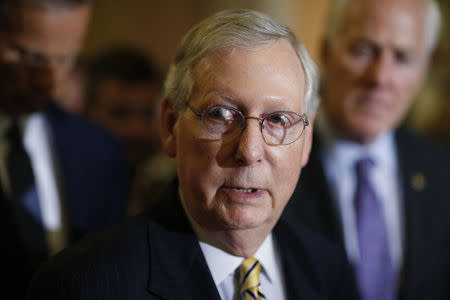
246 190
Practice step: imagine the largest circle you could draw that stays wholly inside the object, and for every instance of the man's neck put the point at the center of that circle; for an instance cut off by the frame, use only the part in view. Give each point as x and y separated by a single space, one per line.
238 242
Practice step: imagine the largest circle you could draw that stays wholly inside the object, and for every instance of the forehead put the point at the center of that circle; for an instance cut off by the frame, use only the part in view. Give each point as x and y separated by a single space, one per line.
57 31
398 23
268 73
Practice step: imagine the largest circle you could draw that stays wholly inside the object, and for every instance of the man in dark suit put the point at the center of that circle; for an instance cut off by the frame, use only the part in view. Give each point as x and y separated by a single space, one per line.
60 176
393 220
235 115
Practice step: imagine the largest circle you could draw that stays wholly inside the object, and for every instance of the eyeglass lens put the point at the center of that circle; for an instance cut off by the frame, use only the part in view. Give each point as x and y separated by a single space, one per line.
277 128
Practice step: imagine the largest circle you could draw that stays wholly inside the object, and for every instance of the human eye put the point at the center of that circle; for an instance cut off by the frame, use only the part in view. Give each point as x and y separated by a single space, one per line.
220 113
362 49
282 127
402 58
220 121
279 119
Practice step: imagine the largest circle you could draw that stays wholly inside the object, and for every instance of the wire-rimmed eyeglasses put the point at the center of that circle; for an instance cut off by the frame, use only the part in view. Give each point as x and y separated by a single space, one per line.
277 128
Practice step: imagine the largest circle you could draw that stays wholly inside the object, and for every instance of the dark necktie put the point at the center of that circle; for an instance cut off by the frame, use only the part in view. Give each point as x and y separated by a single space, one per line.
375 274
24 198
249 284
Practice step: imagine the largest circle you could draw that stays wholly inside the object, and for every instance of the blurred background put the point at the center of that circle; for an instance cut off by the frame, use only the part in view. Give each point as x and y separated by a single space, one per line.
155 27
130 43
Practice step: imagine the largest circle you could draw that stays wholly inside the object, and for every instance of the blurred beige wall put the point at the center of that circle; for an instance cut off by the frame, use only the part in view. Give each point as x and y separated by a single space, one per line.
157 26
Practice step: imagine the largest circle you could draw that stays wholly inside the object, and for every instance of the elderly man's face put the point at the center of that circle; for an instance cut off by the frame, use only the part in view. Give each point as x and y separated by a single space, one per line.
374 67
240 182
38 54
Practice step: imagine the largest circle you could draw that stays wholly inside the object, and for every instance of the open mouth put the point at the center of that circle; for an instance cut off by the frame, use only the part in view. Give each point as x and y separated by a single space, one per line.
250 190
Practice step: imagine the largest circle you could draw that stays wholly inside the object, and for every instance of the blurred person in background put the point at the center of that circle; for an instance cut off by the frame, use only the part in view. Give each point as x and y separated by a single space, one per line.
124 89
238 97
371 185
60 176
71 95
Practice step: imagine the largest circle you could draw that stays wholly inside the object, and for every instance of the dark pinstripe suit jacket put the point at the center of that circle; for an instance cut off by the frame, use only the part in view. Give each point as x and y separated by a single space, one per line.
158 257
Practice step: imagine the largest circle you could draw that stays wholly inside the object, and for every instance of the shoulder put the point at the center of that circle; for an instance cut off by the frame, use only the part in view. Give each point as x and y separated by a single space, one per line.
78 128
421 147
96 264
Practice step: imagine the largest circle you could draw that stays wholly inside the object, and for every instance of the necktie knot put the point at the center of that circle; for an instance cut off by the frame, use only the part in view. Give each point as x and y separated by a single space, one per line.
363 167
249 284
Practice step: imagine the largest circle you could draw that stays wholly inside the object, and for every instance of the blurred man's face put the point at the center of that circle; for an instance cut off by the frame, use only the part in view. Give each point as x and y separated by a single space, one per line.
131 110
239 182
41 51
374 67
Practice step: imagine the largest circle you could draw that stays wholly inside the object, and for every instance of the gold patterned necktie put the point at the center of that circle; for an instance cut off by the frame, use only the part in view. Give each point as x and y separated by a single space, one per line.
249 284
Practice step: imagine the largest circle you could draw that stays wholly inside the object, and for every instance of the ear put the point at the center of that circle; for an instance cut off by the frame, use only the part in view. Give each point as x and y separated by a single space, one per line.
307 143
169 117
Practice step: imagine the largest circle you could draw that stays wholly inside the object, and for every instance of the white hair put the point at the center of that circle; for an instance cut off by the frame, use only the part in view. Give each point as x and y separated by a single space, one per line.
231 29
432 22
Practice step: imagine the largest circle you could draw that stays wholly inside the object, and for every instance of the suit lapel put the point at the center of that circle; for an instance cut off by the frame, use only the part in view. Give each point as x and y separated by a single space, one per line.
312 202
178 268
301 281
413 177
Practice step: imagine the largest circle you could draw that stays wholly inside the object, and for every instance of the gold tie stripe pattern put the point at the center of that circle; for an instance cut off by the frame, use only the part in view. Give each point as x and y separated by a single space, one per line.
250 286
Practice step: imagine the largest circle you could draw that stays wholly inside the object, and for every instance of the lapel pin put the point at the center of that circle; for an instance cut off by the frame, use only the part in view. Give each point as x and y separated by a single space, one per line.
418 181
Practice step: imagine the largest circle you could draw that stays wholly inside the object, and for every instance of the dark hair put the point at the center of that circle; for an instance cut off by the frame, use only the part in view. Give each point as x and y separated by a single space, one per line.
123 64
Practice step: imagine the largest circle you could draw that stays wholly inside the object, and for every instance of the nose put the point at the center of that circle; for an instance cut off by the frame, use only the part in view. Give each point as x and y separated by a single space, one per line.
59 70
251 145
380 71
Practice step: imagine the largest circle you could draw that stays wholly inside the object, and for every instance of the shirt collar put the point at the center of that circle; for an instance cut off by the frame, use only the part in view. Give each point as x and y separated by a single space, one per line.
221 263
345 153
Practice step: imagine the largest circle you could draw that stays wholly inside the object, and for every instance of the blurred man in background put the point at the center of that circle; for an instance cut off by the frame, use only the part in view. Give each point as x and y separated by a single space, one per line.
379 190
71 94
124 89
60 175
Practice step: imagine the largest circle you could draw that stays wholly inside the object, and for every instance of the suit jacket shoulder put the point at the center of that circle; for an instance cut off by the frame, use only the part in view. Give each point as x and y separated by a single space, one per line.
424 169
159 257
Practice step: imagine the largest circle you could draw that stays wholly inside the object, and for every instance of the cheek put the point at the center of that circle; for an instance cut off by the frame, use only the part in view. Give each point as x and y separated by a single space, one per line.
197 166
286 170
407 90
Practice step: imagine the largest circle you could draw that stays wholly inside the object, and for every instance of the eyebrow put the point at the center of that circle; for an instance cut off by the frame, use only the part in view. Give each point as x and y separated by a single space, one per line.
224 95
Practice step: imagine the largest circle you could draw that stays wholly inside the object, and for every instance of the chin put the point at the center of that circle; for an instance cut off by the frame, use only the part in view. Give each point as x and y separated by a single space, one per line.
245 219
364 129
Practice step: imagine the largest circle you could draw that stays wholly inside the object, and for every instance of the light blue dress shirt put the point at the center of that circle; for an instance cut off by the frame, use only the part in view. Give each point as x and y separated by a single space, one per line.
339 158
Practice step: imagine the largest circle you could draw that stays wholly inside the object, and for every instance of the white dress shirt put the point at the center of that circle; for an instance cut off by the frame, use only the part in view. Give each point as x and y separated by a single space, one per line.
37 143
339 158
223 265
